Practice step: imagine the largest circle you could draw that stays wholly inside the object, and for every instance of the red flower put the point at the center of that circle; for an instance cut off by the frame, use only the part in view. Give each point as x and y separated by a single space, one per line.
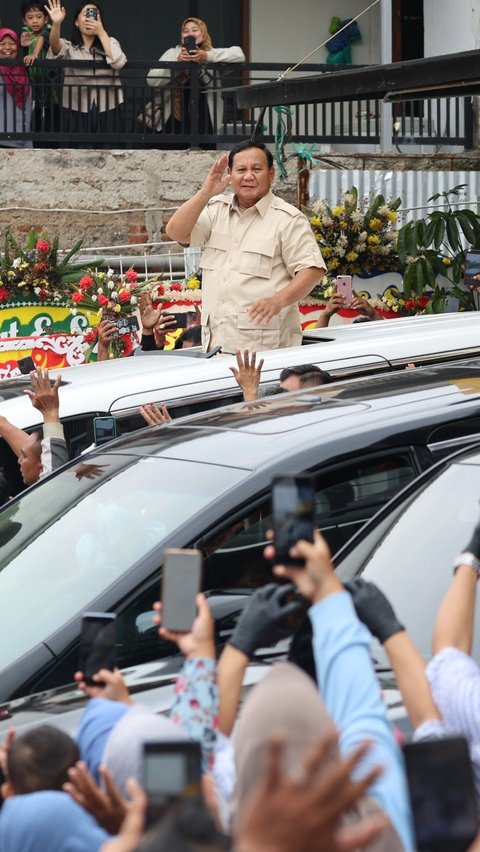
409 304
423 301
43 294
43 246
77 298
4 294
176 286
127 345
124 296
85 282
102 300
131 276
160 290
90 337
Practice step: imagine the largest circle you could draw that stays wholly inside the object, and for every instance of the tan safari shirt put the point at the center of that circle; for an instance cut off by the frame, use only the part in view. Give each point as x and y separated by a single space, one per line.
248 256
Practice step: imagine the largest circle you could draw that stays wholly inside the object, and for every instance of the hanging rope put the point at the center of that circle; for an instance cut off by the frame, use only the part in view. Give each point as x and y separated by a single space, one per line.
283 134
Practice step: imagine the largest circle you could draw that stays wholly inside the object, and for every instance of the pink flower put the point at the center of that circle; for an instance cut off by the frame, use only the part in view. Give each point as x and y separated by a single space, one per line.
131 276
43 246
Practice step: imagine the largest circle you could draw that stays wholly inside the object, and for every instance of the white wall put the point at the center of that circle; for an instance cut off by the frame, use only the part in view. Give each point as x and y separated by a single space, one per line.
451 27
285 30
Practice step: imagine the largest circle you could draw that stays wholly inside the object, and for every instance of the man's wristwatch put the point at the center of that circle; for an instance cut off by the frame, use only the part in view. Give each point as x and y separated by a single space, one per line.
469 559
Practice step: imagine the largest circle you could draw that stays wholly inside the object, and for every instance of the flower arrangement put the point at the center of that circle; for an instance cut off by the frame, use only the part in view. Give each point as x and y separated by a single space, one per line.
189 290
34 272
356 239
394 300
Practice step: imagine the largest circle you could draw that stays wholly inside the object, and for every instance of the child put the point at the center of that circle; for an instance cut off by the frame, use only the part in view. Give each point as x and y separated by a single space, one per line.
35 40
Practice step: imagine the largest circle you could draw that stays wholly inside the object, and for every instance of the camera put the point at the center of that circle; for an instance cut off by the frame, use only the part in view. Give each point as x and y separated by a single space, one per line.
91 14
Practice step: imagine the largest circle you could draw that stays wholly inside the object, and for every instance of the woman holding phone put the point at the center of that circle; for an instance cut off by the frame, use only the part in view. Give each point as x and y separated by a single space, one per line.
173 107
92 99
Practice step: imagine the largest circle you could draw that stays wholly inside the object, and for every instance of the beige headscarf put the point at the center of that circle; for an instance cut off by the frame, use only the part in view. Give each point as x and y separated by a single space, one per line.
287 699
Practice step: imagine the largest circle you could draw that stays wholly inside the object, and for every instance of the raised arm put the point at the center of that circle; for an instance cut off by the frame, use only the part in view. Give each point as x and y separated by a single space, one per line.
57 16
184 219
455 620
14 436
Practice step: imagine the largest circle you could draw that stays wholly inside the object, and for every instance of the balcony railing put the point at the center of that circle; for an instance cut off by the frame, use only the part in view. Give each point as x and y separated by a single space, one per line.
194 107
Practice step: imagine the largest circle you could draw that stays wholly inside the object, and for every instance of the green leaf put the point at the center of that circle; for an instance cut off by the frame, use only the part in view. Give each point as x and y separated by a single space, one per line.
439 233
429 233
419 280
420 229
408 279
411 240
69 254
466 226
452 234
429 273
401 245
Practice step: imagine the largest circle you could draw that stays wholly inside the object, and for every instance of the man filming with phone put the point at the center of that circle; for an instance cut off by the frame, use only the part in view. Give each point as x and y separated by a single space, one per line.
260 257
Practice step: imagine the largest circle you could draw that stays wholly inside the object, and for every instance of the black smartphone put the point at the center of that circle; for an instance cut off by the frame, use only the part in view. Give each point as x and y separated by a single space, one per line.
181 582
92 14
104 430
181 319
190 44
442 794
171 771
127 325
26 365
472 268
97 644
293 504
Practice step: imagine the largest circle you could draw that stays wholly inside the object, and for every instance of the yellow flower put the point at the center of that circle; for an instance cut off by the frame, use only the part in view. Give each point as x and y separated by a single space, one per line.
117 309
326 251
395 308
100 276
373 240
351 255
338 210
447 261
193 283
343 225
375 224
10 274
21 283
328 292
316 222
334 263
392 216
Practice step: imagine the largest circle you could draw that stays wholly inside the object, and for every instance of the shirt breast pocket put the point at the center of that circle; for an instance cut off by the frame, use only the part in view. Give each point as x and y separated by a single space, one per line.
215 251
256 258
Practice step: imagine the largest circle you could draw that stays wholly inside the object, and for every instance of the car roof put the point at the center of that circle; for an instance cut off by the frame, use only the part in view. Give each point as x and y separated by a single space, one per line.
119 384
264 427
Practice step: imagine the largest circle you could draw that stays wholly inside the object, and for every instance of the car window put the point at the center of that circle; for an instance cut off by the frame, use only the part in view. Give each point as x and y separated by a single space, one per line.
93 524
412 564
449 437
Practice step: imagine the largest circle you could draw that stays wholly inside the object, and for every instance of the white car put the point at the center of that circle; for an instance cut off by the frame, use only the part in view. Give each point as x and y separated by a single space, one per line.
188 382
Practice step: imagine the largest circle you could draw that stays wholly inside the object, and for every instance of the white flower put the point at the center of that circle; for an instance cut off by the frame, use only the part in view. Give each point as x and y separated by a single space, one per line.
410 259
114 296
16 263
111 285
133 300
348 198
342 240
340 252
319 207
109 273
100 291
357 216
89 330
73 311
363 236
384 210
94 298
327 221
37 291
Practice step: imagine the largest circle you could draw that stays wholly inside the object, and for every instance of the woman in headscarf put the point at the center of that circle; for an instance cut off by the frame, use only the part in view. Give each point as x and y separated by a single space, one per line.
172 107
287 700
15 93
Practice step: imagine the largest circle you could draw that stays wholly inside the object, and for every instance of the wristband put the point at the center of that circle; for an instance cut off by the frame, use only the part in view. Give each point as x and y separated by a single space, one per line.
469 559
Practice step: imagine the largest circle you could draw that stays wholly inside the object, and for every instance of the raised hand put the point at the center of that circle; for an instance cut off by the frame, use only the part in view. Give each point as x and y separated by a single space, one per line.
56 11
153 415
44 395
199 642
217 180
247 374
148 315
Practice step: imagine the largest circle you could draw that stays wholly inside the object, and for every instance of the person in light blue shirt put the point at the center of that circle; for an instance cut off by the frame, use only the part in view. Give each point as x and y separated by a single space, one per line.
347 681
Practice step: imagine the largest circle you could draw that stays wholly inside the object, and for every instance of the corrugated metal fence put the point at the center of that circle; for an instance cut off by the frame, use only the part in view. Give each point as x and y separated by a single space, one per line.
414 188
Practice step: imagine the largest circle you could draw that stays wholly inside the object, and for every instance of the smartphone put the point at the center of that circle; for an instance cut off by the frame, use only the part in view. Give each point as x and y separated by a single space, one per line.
472 268
190 44
104 430
181 319
442 794
97 644
344 288
25 365
92 14
171 771
293 504
127 325
181 582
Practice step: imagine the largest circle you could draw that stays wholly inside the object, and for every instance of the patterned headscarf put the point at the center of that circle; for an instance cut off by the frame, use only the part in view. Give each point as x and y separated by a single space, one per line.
16 78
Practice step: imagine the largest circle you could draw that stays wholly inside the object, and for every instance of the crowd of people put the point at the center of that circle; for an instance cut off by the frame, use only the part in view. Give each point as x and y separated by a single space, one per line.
90 100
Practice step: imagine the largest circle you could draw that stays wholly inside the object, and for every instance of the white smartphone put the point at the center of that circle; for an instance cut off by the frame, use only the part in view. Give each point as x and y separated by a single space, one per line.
344 288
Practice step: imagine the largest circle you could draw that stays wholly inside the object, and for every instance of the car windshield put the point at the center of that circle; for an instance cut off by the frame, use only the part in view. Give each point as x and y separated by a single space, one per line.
413 562
68 540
